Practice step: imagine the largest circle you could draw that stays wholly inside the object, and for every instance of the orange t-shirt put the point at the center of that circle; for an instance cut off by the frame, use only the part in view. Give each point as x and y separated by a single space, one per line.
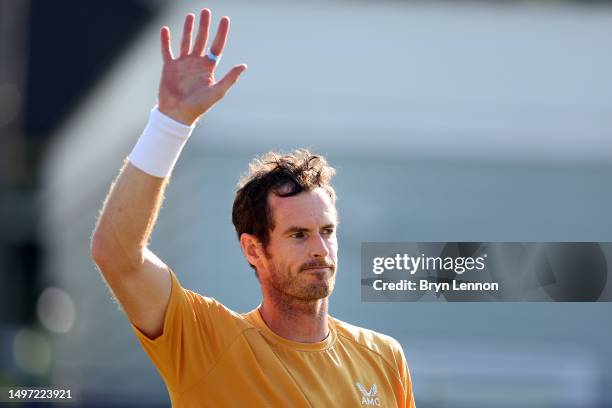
209 355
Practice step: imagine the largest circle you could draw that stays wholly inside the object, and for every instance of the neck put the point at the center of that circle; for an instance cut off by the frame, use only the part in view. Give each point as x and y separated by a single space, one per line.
294 319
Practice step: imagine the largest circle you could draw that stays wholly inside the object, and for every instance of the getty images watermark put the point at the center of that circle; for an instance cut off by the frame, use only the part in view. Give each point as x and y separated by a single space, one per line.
413 264
482 271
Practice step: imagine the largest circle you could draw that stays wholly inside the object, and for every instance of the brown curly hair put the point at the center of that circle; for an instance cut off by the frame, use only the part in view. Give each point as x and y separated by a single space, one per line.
284 175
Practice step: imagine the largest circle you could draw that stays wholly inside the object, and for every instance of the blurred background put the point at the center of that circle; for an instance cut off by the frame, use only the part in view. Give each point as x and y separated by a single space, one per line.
447 121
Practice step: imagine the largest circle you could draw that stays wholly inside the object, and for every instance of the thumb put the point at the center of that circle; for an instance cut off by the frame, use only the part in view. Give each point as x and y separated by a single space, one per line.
230 78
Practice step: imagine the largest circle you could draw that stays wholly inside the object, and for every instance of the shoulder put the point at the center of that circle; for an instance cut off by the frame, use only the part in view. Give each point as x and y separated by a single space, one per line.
206 311
204 306
370 341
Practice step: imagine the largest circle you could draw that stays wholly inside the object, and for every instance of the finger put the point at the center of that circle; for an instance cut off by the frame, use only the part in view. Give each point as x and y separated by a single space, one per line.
229 79
202 38
187 29
166 49
221 36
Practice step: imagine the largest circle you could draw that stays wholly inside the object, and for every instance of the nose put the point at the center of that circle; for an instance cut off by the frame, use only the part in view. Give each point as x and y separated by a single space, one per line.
318 247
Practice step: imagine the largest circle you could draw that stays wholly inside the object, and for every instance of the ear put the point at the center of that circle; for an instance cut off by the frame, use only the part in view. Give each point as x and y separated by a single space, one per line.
251 248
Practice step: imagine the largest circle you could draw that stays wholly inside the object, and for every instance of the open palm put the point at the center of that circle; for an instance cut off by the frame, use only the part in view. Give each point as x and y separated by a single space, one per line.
188 87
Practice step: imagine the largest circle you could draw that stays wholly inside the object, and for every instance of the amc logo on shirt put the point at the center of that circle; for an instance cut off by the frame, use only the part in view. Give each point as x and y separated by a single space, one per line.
368 398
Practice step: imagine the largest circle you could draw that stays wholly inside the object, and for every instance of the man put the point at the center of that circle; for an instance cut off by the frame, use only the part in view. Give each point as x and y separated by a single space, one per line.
288 352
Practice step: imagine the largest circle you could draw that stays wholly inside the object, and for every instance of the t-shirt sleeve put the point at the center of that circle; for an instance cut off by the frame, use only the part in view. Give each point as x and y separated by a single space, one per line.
404 373
196 331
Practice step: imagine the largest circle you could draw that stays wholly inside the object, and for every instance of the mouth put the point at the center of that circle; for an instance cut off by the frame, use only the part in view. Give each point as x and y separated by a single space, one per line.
317 269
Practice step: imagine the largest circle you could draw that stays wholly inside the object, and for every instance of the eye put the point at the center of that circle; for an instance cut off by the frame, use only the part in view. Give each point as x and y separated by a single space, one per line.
298 235
328 231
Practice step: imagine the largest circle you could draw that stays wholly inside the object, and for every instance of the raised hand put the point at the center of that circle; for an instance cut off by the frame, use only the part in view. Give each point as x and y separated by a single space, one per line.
188 87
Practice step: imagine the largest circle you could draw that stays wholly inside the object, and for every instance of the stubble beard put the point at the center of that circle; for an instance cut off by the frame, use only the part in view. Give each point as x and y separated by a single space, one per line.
301 285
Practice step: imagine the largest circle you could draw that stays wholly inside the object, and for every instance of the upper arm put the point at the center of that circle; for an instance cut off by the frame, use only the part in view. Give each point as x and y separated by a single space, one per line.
143 293
404 374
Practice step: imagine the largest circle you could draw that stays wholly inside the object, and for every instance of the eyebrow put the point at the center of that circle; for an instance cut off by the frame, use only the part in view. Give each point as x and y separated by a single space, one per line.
294 229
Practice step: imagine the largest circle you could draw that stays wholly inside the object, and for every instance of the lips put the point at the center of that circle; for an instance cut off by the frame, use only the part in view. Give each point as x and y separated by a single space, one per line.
317 268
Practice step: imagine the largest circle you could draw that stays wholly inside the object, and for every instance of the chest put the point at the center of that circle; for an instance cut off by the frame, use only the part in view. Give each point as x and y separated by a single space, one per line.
342 376
256 373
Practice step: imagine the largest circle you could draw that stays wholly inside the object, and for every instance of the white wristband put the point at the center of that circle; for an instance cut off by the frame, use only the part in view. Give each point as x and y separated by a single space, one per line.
160 144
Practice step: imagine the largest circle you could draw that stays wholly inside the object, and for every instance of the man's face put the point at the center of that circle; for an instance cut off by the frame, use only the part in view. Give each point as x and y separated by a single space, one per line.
302 251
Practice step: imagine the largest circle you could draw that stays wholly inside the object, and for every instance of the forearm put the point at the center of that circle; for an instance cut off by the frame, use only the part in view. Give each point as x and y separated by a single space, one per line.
132 205
127 218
